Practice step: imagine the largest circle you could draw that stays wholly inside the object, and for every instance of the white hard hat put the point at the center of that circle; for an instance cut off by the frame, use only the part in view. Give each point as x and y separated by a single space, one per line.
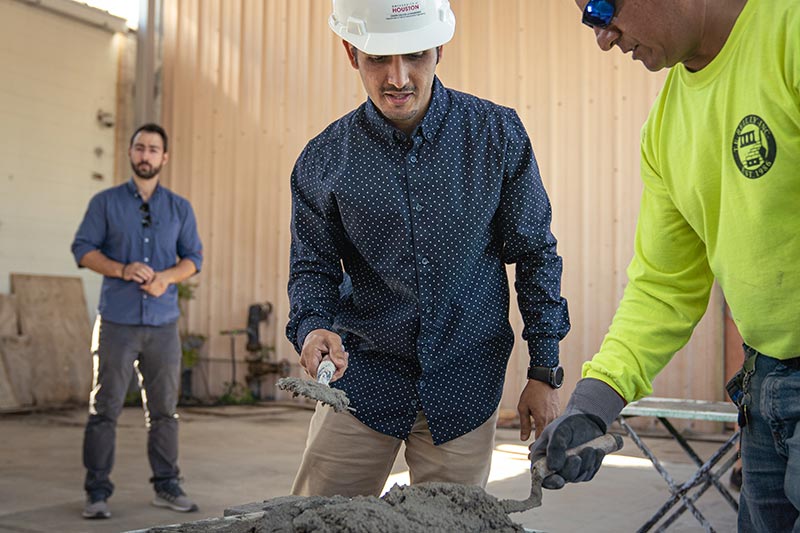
393 27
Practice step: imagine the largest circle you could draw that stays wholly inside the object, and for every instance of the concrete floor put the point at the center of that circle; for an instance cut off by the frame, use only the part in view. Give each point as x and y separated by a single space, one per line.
236 455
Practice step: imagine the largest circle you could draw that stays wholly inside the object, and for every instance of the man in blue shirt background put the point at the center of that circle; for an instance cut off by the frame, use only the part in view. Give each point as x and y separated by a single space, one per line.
143 239
404 215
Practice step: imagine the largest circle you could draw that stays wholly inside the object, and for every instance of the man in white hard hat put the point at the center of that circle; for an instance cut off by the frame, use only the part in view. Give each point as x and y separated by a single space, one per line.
404 215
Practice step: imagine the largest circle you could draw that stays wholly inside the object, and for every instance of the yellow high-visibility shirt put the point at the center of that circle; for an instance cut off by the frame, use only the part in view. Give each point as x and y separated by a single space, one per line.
721 200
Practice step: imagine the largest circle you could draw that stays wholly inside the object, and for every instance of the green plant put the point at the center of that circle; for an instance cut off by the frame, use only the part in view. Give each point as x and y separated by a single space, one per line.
185 293
236 394
191 343
133 398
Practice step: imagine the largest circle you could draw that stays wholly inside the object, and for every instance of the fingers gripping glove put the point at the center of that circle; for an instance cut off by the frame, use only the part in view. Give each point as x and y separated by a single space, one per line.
592 407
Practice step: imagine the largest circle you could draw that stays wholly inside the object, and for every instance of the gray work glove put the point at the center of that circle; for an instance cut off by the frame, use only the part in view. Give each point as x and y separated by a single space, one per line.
592 407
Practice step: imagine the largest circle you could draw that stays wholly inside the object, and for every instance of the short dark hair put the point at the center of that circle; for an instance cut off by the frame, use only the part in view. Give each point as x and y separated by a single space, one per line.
151 128
355 51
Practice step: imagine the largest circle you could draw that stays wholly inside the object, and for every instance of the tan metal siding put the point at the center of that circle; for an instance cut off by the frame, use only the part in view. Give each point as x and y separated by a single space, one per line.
248 83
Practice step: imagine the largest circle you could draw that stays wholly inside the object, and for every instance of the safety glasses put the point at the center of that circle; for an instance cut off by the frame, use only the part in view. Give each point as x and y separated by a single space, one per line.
144 209
598 13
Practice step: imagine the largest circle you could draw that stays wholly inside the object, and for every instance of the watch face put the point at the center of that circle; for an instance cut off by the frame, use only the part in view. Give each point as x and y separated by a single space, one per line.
558 376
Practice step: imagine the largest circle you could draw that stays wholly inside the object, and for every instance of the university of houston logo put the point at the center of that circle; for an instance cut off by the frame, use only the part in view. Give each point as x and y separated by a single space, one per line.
753 147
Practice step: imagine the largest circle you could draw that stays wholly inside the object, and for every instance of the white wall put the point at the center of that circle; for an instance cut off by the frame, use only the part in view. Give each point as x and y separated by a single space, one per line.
55 73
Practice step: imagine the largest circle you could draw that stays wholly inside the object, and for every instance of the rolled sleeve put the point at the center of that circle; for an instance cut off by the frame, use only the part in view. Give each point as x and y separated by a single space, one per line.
189 244
92 231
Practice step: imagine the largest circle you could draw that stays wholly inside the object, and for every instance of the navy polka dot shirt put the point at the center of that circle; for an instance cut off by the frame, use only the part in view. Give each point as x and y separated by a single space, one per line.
399 245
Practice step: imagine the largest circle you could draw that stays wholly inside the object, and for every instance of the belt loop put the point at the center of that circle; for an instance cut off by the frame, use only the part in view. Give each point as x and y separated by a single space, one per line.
750 355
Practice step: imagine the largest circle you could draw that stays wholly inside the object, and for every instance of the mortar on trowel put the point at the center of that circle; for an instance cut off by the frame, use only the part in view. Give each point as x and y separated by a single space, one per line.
320 389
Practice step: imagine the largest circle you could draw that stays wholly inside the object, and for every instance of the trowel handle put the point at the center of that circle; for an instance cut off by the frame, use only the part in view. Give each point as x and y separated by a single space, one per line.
609 443
325 371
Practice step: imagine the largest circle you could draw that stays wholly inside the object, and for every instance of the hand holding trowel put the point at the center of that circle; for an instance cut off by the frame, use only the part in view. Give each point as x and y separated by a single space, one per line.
320 389
608 443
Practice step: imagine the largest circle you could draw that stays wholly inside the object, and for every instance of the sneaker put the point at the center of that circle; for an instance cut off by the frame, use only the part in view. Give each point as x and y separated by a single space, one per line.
96 509
172 497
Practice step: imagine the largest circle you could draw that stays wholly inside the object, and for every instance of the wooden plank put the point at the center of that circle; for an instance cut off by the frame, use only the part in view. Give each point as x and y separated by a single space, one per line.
17 363
9 327
7 398
52 313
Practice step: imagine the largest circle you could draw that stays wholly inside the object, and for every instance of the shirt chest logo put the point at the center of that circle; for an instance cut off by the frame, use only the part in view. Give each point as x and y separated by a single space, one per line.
754 148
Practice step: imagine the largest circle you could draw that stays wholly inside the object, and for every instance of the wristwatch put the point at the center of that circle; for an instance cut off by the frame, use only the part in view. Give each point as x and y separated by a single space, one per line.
552 376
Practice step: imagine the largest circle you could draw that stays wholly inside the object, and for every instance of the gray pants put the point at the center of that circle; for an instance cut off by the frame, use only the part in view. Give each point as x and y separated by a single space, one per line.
155 353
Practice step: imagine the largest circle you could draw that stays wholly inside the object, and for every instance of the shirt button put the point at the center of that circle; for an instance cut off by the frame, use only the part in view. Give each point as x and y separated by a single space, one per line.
425 261
147 239
419 207
429 136
146 259
145 297
429 309
413 159
422 384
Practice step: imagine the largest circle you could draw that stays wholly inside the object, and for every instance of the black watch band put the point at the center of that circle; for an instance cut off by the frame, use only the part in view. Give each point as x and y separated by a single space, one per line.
553 376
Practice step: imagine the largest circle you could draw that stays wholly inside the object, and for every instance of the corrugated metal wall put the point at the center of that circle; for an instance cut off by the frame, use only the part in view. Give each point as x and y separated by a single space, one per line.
248 82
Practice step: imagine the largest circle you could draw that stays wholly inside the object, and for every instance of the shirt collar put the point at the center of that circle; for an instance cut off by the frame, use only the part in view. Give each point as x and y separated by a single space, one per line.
131 185
434 116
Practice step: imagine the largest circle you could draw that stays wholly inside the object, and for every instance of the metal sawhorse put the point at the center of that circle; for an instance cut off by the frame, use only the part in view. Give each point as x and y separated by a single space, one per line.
663 409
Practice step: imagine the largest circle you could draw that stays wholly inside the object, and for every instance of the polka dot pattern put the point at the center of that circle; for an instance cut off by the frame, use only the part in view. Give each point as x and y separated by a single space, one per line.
399 244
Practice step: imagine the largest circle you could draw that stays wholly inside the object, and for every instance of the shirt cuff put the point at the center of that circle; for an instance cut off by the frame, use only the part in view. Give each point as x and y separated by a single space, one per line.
595 397
197 259
308 325
543 352
79 251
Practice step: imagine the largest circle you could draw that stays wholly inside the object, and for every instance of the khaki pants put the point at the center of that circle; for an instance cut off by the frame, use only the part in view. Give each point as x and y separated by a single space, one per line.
345 457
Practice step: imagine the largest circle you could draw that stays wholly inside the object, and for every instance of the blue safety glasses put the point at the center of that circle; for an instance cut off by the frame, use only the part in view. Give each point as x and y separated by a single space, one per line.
598 13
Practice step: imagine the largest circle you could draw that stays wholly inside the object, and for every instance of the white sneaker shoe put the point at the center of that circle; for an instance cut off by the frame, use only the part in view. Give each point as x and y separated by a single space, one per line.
173 497
96 509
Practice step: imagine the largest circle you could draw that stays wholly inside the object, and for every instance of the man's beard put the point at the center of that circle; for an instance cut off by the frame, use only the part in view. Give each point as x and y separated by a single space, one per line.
145 174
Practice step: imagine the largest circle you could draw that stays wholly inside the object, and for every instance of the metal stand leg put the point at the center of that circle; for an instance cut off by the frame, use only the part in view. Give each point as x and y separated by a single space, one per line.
699 462
699 492
678 493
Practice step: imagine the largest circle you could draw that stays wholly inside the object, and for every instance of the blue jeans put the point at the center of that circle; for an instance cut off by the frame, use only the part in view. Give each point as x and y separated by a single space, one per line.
769 501
158 352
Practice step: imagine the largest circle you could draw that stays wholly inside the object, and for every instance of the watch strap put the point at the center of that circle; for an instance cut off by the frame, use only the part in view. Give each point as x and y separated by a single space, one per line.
545 374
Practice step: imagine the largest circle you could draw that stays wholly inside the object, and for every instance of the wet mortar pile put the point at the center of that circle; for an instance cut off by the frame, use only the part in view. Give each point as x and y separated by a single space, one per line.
426 507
